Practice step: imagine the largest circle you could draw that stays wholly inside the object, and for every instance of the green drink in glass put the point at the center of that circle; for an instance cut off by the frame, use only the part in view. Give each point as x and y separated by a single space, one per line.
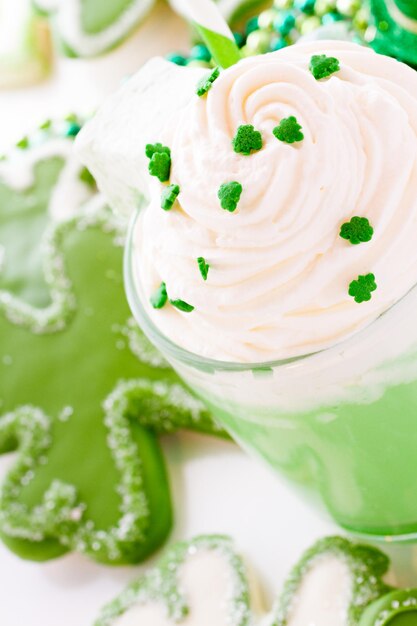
273 260
341 422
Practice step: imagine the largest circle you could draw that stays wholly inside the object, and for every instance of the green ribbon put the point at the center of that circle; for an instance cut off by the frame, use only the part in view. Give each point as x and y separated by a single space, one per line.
223 50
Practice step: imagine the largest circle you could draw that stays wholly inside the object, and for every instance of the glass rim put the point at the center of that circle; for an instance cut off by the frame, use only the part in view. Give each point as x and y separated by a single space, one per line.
170 347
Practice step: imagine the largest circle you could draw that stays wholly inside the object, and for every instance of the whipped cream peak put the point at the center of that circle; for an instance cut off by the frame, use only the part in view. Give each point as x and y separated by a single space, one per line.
279 276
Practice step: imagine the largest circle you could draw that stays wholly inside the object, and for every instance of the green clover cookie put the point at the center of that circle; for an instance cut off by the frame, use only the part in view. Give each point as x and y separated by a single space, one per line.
82 395
204 582
88 28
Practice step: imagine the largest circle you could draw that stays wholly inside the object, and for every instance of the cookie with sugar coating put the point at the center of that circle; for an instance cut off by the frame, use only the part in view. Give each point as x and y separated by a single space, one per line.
205 582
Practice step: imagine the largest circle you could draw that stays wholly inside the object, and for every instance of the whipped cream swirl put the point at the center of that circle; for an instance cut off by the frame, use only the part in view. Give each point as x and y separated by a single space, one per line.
279 271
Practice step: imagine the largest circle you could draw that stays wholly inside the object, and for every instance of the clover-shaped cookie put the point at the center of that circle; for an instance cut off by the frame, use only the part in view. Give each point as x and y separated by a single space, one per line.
205 583
90 27
82 395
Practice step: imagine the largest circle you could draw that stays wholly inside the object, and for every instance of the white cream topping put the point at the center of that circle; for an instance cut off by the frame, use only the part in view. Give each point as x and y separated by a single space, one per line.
205 580
324 596
279 275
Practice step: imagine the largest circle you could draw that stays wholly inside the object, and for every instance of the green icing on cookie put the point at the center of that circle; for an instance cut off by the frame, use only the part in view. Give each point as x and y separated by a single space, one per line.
81 399
162 585
175 582
90 27
366 567
398 608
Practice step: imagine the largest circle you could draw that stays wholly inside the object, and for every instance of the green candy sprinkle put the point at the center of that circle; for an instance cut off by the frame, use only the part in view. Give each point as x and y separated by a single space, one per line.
160 166
46 125
361 288
288 130
86 177
159 297
206 83
247 140
203 266
182 306
229 195
169 196
322 66
357 230
23 144
152 148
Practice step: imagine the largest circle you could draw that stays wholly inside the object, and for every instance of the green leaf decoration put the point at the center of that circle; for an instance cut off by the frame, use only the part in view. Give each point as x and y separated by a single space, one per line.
82 393
173 590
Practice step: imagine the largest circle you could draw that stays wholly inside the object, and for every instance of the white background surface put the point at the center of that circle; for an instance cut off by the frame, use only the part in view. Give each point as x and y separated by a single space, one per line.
216 487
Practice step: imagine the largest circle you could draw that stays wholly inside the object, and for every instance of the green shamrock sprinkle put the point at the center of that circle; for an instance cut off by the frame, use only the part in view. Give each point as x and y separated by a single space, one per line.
182 306
229 195
357 230
159 297
160 166
203 266
73 129
206 83
322 66
288 130
86 176
169 195
361 288
152 148
247 140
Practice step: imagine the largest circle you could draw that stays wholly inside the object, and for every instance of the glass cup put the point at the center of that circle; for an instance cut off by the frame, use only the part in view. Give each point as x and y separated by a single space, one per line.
341 422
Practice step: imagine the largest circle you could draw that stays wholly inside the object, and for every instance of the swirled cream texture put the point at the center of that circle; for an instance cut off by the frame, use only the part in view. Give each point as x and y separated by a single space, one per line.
279 271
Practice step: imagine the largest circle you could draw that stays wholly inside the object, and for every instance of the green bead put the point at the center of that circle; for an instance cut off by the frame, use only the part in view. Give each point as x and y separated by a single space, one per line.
251 25
324 6
331 18
72 130
299 21
176 58
200 52
348 8
245 52
284 4
258 41
239 39
306 6
362 19
266 19
311 24
284 22
278 43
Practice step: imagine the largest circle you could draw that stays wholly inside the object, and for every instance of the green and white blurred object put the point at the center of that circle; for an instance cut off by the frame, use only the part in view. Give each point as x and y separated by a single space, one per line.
396 28
232 10
88 28
25 44
285 22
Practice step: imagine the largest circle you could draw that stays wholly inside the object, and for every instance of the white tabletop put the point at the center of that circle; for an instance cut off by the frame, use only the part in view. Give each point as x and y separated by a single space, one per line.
216 487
